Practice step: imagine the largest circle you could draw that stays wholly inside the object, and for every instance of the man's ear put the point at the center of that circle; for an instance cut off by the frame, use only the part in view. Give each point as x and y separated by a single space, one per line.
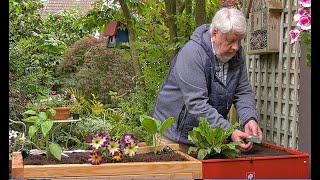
214 34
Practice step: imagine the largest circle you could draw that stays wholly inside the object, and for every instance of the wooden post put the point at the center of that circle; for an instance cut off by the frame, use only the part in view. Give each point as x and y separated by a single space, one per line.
305 104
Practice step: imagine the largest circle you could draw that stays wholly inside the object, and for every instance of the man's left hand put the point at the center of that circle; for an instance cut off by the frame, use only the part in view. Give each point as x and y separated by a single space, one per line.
253 128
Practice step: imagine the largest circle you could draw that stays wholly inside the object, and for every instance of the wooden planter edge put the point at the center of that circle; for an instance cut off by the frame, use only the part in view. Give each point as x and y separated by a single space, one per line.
170 169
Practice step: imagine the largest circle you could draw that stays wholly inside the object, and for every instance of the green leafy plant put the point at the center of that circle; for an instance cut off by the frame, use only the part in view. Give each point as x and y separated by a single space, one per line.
56 100
92 125
42 122
76 106
97 107
210 141
156 128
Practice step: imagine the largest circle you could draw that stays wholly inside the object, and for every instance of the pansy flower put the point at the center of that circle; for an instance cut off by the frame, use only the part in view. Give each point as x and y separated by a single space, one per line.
96 158
106 147
98 141
128 138
131 149
117 156
113 146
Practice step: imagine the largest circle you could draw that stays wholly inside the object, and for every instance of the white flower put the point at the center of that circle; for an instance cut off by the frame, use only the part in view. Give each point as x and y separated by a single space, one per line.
305 3
13 134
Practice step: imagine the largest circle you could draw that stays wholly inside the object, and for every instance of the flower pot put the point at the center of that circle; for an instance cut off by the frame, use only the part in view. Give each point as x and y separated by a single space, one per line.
190 169
62 113
75 115
293 165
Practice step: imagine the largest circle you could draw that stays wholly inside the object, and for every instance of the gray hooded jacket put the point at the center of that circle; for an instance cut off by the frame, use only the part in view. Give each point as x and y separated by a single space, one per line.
191 89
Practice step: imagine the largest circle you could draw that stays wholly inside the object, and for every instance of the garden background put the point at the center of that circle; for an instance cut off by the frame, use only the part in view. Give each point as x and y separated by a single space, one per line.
63 52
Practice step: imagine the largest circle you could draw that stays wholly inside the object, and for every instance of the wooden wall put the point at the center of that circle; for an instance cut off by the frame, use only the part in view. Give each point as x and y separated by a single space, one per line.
275 79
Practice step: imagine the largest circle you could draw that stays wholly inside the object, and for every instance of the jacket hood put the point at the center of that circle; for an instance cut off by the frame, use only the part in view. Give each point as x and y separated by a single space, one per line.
202 36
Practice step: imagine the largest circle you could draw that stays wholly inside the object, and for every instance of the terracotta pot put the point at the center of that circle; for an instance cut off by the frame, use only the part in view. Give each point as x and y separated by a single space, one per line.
62 113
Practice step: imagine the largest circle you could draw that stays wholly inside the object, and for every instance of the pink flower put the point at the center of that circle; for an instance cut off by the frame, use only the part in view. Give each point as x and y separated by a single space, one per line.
305 3
300 12
305 22
73 97
294 34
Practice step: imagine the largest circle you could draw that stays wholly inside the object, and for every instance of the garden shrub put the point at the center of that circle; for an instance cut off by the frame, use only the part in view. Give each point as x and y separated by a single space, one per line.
91 67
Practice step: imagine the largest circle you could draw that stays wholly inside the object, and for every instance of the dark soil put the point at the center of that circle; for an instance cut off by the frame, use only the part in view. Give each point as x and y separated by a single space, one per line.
82 158
259 150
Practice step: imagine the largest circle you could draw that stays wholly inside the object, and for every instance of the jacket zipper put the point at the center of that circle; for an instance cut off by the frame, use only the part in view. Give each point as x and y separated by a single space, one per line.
181 118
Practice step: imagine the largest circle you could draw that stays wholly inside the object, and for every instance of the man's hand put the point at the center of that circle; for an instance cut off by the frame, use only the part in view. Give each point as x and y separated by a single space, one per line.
238 135
253 128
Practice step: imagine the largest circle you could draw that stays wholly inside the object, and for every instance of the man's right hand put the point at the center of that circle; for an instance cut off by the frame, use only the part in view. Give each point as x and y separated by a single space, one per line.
238 135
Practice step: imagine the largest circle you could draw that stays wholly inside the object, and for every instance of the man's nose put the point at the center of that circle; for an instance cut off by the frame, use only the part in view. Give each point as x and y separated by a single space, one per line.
235 46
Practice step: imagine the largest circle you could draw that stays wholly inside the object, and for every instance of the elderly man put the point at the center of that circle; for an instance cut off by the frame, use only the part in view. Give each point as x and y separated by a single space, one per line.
206 77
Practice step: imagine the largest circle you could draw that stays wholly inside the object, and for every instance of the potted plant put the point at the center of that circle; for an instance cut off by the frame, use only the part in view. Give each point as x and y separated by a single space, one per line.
108 149
60 104
75 107
221 159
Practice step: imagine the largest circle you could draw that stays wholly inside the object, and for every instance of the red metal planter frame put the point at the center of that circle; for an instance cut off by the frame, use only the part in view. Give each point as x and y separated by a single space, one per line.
295 165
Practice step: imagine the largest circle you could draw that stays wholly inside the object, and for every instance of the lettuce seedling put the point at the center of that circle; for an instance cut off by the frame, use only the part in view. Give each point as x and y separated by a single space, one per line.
210 141
156 128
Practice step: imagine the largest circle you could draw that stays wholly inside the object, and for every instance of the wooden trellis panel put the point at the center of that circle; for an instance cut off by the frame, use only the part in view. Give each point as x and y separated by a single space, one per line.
275 80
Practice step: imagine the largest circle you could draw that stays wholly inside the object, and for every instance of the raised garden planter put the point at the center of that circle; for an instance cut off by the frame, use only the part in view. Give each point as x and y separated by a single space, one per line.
190 169
293 164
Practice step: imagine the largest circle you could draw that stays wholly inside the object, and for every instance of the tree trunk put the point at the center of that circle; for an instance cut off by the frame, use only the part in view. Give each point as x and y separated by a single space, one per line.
132 38
188 7
171 23
200 12
180 7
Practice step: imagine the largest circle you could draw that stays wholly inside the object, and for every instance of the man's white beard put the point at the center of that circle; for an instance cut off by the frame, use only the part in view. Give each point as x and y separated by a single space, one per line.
225 58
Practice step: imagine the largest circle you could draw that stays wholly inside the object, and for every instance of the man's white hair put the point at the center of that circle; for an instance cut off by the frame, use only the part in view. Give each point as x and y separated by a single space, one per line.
227 19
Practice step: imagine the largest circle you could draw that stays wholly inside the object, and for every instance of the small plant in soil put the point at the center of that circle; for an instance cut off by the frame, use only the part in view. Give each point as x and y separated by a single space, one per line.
210 141
156 128
42 122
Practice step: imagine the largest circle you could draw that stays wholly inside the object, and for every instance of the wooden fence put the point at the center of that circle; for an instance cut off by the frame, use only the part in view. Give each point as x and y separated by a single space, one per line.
275 79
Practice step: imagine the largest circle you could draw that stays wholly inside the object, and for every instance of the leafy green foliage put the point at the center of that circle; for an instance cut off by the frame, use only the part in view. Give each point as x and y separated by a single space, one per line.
209 141
96 19
65 26
42 122
156 128
306 39
92 68
24 19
